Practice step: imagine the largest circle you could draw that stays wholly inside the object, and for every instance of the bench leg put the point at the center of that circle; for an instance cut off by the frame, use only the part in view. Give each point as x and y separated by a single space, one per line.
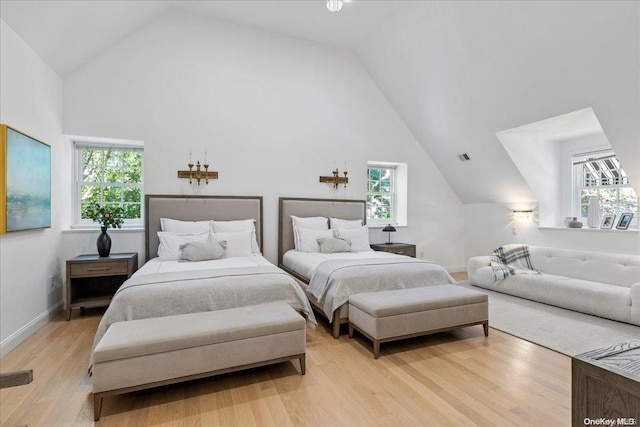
97 407
303 365
376 349
336 327
350 330
485 326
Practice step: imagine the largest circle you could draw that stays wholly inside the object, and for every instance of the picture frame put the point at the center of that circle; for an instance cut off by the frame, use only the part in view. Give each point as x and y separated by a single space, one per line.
608 221
25 181
625 220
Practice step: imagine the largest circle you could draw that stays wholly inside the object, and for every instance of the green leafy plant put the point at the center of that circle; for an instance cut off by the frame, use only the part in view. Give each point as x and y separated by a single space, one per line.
109 215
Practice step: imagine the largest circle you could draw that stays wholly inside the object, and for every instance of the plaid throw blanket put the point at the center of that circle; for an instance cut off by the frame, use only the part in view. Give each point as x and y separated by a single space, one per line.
511 259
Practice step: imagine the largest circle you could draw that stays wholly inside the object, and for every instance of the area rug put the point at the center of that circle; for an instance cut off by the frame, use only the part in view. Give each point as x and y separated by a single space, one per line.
565 331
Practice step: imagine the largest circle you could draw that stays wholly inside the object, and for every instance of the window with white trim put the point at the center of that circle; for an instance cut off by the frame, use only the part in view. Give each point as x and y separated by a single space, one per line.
108 173
599 174
381 194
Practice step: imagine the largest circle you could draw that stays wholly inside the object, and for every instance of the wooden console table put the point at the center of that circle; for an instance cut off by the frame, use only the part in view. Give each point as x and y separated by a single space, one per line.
605 383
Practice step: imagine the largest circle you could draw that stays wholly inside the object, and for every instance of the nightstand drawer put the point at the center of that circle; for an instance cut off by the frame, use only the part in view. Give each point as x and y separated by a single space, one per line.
404 251
86 269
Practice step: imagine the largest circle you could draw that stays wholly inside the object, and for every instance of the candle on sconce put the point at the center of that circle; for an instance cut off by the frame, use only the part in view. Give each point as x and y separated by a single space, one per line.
205 157
190 157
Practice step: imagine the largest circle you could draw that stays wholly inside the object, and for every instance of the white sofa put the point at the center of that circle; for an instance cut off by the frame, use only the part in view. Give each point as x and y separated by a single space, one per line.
598 283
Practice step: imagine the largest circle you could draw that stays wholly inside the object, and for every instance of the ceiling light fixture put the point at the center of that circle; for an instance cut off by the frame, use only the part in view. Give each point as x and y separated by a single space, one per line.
334 5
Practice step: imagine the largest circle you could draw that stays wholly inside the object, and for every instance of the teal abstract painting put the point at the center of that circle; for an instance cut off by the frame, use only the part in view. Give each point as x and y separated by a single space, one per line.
28 182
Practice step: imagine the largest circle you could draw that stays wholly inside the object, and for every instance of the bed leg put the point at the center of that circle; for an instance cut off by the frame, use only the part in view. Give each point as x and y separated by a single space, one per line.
376 349
485 326
303 365
97 407
336 328
350 330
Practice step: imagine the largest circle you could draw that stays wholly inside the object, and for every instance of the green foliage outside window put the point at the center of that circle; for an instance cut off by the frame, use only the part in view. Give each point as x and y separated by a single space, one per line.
380 193
111 178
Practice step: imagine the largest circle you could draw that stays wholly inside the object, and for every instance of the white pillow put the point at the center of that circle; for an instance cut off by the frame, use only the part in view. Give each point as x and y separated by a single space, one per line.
239 225
184 227
169 248
238 242
308 239
202 251
311 222
359 238
345 224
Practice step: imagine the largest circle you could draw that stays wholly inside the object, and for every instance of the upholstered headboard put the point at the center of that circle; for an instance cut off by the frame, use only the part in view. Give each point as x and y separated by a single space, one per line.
336 208
197 208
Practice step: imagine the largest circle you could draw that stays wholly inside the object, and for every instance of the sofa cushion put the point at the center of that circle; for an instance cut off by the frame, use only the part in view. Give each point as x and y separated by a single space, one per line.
600 299
614 269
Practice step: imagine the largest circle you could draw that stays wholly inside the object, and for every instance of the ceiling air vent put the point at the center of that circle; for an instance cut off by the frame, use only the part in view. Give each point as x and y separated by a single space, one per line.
464 157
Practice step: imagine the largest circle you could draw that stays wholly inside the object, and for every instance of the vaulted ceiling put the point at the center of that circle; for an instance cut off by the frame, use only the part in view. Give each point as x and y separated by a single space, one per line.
456 72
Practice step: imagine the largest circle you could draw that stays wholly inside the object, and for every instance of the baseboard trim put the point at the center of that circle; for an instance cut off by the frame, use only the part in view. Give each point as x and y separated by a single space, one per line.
27 330
456 269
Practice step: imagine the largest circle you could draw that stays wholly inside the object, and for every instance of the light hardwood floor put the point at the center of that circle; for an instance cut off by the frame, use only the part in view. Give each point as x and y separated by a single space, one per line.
459 378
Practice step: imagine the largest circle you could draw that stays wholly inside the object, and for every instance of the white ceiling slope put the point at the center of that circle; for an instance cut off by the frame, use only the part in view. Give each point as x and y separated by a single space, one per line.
459 72
456 72
68 34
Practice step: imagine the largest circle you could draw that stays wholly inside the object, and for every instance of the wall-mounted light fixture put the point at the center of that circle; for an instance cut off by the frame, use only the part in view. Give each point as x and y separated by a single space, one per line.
336 179
198 174
522 214
334 5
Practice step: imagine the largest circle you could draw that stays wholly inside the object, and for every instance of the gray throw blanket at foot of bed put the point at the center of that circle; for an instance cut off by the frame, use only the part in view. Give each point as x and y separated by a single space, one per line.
334 280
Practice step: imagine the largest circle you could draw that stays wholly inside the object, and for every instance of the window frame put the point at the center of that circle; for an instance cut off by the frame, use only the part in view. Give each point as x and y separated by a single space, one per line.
83 143
577 162
394 196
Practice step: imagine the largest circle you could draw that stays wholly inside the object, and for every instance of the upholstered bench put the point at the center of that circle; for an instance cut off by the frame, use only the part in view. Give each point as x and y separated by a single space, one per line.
404 313
146 353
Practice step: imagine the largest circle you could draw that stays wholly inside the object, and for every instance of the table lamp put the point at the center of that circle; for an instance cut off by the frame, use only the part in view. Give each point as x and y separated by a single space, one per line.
389 229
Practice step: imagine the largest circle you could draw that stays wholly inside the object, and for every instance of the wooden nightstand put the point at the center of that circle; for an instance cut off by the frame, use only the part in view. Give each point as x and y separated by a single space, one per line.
397 248
92 280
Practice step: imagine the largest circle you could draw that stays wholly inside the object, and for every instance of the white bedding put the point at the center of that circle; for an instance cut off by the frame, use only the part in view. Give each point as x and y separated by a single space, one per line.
155 265
165 288
305 263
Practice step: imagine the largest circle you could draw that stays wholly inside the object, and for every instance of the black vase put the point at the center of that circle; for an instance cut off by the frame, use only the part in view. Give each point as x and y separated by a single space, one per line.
104 243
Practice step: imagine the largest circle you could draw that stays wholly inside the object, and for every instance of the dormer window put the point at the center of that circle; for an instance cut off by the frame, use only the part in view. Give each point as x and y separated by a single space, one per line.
600 174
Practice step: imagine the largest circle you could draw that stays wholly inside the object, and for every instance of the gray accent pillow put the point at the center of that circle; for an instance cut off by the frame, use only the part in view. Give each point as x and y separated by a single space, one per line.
203 251
332 245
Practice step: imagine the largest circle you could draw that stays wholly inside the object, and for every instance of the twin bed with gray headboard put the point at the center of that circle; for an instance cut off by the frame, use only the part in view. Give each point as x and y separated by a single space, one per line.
166 287
349 272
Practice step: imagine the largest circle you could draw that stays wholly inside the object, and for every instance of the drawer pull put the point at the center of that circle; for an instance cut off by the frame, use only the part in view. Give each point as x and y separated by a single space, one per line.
98 268
400 252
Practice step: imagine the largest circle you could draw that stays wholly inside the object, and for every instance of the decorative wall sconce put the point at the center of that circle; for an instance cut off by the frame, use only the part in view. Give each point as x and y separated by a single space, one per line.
522 214
198 174
336 179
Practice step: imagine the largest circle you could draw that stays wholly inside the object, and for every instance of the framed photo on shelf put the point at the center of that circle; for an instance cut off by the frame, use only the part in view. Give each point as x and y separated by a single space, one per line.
607 221
625 220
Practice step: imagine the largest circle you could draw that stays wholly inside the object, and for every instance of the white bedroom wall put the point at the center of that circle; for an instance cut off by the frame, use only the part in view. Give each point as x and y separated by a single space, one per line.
273 113
29 260
489 225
